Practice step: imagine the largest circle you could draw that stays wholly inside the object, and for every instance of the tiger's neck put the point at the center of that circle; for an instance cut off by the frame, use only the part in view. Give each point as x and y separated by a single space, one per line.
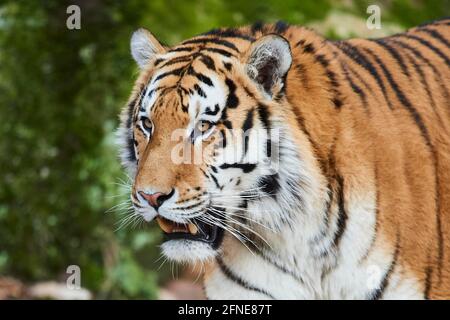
309 189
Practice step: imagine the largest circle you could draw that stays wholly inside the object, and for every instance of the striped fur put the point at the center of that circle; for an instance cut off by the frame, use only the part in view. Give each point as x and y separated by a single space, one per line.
360 205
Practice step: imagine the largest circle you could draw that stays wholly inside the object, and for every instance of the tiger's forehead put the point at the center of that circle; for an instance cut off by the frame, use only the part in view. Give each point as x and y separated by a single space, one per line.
200 80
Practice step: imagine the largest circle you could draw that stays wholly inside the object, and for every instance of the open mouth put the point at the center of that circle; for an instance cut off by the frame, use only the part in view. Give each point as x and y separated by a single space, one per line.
195 230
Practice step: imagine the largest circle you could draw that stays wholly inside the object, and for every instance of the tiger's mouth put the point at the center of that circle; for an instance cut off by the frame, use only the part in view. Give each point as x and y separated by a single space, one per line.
194 230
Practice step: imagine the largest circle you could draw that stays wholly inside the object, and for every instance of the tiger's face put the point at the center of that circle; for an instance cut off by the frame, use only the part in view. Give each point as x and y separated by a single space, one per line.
200 137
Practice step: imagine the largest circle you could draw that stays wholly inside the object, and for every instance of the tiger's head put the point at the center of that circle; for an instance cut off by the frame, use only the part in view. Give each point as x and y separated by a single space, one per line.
202 138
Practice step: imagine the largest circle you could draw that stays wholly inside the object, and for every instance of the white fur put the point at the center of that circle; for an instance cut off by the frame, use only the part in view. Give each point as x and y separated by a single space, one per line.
187 251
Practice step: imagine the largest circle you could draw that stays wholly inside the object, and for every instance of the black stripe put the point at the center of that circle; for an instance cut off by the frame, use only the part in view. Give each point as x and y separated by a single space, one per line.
429 46
258 26
235 278
135 200
334 85
263 113
214 112
130 111
328 204
246 126
227 65
204 173
301 124
201 77
199 90
208 62
217 41
361 79
191 206
216 182
182 49
248 92
177 60
300 42
270 184
428 277
232 99
354 54
435 34
175 72
355 87
301 70
227 124
219 51
332 78
404 101
268 148
342 214
184 106
248 122
130 146
279 267
280 27
322 60
158 61
246 167
224 138
204 79
377 294
394 54
144 95
309 48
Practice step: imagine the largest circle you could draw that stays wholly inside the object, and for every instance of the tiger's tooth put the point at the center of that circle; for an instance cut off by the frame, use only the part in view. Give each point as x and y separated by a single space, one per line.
192 228
167 227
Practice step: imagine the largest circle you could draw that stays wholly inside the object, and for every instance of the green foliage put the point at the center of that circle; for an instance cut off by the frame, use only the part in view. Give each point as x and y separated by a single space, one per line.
60 93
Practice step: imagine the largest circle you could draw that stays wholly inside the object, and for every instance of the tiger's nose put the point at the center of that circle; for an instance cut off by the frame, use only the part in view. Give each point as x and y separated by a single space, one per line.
156 199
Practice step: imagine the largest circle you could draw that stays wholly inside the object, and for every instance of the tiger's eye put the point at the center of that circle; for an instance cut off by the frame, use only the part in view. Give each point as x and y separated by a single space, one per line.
203 126
147 123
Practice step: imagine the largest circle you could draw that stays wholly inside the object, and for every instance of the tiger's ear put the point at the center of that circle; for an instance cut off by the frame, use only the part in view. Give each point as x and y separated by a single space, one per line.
267 62
144 47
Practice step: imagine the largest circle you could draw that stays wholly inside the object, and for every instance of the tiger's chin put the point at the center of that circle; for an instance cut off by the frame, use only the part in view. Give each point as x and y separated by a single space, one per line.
190 242
188 251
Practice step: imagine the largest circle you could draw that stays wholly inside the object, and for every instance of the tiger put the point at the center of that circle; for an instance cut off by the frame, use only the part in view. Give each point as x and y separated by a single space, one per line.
341 190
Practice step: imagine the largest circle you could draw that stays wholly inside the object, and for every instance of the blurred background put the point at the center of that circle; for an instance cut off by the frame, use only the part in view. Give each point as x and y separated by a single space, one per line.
62 191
